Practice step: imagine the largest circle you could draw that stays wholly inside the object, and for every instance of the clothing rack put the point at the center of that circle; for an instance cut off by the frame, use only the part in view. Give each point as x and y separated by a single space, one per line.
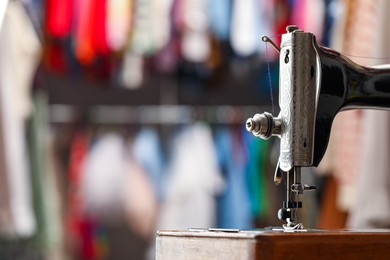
153 114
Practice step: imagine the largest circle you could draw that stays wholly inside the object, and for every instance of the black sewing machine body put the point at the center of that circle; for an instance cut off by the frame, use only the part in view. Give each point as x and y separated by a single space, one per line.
346 85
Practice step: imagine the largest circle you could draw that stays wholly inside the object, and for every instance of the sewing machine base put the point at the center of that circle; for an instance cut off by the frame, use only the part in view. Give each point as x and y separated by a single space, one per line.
272 244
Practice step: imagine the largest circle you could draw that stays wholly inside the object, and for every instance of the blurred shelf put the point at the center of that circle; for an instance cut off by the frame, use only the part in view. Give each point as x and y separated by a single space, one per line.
156 90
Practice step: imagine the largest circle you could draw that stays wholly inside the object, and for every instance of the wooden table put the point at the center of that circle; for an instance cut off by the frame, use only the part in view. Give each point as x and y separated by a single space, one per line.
272 244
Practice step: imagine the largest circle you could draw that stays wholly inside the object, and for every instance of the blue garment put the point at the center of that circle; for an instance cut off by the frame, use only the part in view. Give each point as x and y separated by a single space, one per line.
234 210
148 153
257 151
220 16
329 21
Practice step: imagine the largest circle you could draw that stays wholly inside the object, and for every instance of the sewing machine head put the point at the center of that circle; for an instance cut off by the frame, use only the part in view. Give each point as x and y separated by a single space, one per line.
299 85
315 84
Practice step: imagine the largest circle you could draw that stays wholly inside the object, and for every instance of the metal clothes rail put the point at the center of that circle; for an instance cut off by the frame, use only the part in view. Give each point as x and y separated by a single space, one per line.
153 114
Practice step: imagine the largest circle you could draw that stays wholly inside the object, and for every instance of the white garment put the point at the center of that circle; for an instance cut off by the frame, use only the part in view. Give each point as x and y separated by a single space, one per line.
119 17
141 201
372 207
245 36
355 32
103 182
19 55
131 72
151 28
195 46
193 181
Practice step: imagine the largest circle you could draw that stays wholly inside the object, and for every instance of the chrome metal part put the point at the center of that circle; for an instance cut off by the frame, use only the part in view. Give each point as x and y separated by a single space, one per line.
294 189
278 176
264 125
267 39
300 188
291 28
298 93
293 226
297 98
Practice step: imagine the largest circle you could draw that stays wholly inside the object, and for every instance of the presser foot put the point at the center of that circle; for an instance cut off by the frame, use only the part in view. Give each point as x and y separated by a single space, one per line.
290 215
292 226
294 189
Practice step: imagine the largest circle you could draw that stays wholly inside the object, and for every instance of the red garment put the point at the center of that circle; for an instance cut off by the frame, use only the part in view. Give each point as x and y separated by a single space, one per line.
282 18
99 36
55 57
85 51
80 228
59 17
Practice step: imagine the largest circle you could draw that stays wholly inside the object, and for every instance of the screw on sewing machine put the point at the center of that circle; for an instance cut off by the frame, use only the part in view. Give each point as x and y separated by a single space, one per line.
300 188
291 28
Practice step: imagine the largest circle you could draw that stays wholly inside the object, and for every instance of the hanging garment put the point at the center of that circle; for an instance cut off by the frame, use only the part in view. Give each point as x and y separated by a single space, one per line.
245 34
220 17
332 11
195 42
20 52
99 33
161 23
251 19
131 72
6 218
47 201
372 204
167 58
59 17
309 15
193 181
80 228
234 208
151 33
84 27
36 11
103 179
257 151
344 149
141 201
132 67
152 26
118 23
146 150
344 155
266 26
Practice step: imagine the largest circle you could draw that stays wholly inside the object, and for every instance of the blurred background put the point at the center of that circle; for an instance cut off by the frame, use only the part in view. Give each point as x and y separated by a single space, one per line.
122 117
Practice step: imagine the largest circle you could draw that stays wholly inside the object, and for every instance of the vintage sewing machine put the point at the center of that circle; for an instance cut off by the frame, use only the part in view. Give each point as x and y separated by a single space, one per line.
315 84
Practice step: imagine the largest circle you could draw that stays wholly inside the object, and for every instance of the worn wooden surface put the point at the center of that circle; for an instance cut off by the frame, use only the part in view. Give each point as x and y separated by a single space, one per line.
318 244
